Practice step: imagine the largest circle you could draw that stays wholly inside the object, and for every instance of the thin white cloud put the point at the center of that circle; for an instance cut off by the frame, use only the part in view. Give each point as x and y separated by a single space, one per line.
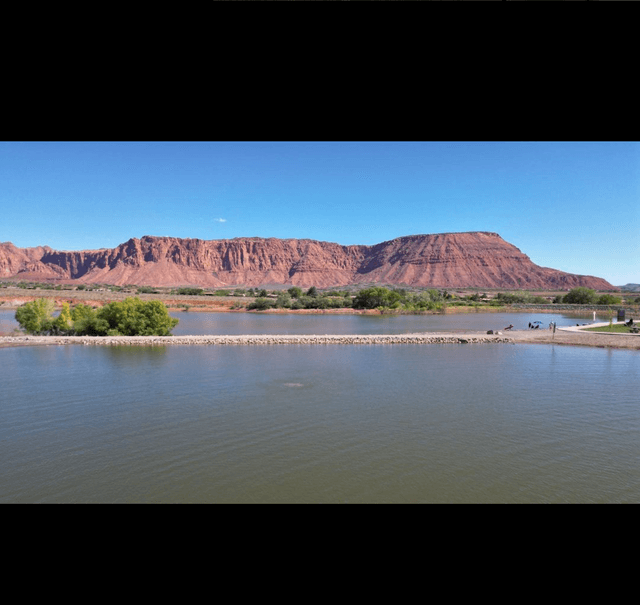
220 220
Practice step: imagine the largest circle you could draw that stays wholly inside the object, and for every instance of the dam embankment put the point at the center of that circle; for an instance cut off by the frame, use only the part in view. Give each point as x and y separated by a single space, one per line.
564 336
287 339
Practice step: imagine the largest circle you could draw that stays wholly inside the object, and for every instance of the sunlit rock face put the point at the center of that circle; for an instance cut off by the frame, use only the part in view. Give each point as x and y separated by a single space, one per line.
445 260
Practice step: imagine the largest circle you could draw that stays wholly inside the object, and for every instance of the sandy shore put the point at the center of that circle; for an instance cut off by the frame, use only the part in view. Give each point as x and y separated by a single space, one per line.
577 337
561 337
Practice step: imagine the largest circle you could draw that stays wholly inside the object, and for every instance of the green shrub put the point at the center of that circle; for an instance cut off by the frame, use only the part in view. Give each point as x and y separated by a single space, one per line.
283 301
580 296
36 317
317 303
133 317
512 298
372 298
261 304
130 317
86 322
609 299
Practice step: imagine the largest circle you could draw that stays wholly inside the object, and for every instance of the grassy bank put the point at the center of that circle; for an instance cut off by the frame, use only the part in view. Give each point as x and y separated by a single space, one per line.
617 328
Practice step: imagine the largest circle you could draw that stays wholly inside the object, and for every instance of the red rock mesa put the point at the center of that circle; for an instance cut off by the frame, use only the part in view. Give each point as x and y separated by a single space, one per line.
446 260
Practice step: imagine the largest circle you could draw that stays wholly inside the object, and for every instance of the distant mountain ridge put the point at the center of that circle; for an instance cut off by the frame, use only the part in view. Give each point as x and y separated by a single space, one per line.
473 259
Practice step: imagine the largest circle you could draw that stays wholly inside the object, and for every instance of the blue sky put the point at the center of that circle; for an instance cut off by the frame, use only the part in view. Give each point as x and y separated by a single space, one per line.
573 206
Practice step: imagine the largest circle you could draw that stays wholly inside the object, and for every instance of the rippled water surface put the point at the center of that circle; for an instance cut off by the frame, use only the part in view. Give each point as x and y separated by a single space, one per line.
326 323
264 323
324 423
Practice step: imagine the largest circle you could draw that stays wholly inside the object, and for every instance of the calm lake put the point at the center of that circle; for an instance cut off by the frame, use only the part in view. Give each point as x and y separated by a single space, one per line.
324 423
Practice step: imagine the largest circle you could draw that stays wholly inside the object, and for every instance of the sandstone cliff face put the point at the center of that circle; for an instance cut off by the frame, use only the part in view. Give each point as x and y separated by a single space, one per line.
476 259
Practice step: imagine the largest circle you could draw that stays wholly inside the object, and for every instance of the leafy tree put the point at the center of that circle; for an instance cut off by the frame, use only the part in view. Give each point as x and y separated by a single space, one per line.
261 304
64 322
580 296
538 300
511 297
86 322
295 292
283 300
133 317
371 298
315 302
609 299
36 317
312 291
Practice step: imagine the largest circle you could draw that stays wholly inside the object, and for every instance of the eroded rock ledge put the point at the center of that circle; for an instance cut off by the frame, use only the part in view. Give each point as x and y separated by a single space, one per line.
473 259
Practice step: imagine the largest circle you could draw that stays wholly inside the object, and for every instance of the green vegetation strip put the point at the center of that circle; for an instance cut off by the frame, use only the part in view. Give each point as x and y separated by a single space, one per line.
617 328
130 317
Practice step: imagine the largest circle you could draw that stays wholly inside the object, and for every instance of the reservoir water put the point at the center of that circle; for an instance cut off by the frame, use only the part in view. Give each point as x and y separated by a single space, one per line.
327 323
325 423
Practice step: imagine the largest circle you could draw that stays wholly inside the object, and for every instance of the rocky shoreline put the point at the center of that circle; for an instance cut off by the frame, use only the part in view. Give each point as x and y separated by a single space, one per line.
561 337
262 339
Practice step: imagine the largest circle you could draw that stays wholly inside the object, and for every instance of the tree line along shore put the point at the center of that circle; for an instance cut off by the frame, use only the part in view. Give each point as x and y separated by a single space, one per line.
148 320
371 298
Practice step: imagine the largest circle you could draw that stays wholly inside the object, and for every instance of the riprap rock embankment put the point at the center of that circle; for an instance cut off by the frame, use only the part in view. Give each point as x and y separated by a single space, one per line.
287 339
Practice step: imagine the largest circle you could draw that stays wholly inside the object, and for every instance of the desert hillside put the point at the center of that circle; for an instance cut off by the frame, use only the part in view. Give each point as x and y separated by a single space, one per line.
475 259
